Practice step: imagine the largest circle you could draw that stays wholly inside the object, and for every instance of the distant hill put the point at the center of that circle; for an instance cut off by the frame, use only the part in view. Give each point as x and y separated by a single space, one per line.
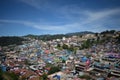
57 36
10 40
79 33
46 37
5 41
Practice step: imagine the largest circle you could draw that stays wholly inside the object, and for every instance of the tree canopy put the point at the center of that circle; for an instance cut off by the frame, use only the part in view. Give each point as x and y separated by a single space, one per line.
5 41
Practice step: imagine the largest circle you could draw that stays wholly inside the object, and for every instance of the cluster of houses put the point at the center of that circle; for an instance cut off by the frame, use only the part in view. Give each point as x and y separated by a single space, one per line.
30 60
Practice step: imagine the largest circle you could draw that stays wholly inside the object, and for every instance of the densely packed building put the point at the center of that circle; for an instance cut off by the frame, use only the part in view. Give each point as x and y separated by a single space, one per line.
34 58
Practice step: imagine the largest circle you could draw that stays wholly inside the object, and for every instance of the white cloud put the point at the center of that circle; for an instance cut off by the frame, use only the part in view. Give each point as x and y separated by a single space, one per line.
93 16
33 3
34 25
86 21
97 20
38 4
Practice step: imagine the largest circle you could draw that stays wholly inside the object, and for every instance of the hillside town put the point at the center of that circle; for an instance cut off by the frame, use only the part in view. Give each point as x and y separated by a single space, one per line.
85 57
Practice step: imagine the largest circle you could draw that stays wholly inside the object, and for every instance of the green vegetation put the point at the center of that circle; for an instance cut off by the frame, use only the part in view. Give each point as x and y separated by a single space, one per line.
46 37
87 77
63 61
8 76
49 65
5 41
58 45
118 39
27 62
57 36
65 46
108 32
88 43
70 48
44 77
53 70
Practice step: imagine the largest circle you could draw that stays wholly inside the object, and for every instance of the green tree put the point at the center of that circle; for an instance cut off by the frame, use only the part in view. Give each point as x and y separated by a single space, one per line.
63 61
8 76
1 73
58 45
65 46
53 70
5 41
44 77
87 77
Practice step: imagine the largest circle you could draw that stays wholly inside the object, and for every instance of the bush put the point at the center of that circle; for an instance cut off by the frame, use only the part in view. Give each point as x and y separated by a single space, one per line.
53 70
8 76
85 77
44 77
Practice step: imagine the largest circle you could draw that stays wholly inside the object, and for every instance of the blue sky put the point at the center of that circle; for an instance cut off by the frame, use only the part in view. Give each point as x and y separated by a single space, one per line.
22 17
